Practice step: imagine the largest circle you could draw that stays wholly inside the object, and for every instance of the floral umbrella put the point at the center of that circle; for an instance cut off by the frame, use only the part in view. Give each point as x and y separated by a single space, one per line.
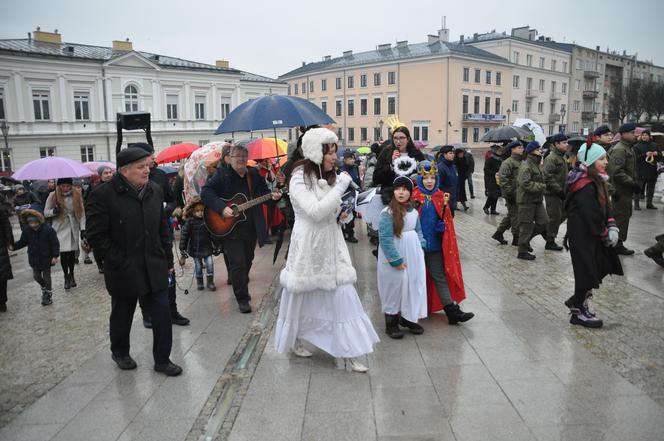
195 169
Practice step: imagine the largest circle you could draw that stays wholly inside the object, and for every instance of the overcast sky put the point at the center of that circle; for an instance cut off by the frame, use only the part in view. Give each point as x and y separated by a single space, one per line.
273 37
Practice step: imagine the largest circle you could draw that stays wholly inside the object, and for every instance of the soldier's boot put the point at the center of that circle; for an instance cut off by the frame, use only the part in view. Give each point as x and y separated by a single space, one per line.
392 326
456 315
659 237
515 241
649 204
637 206
553 246
210 283
525 256
655 255
199 283
46 297
499 237
622 250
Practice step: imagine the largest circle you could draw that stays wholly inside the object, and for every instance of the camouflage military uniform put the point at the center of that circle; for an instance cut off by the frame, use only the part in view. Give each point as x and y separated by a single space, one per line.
555 177
529 196
507 174
622 183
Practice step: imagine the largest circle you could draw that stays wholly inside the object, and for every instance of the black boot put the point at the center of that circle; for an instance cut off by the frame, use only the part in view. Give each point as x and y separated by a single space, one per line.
456 315
654 255
200 285
553 246
499 237
649 204
622 250
67 282
414 328
178 319
637 207
72 281
392 326
525 256
46 297
515 241
210 283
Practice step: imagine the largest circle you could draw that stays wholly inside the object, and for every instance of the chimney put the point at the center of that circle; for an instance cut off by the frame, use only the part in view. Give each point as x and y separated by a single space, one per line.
304 63
47 37
327 57
122 46
597 48
475 35
348 54
384 47
461 37
221 64
432 39
402 44
68 50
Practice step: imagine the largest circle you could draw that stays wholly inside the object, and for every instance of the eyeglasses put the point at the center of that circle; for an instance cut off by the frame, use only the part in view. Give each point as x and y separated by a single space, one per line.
240 157
400 138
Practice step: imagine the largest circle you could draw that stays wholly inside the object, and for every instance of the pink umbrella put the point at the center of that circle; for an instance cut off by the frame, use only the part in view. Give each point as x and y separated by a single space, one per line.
420 144
52 167
94 165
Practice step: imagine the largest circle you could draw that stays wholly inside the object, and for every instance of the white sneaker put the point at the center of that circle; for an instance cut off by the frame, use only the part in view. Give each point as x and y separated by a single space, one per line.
355 365
300 351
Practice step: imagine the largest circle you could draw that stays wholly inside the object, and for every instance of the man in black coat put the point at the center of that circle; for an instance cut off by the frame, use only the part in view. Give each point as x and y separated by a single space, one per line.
127 225
240 243
648 155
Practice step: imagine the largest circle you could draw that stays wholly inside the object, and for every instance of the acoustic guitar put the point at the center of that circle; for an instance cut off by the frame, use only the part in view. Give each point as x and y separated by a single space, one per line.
221 226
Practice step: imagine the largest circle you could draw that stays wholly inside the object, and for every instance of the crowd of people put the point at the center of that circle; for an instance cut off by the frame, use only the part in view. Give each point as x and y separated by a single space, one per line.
128 220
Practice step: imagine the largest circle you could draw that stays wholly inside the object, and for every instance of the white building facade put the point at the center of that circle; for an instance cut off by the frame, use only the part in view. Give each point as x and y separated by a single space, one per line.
62 98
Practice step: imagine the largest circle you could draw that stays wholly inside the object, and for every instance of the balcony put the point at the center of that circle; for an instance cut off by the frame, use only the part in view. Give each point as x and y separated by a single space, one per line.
554 118
483 117
590 74
555 96
590 94
531 93
588 115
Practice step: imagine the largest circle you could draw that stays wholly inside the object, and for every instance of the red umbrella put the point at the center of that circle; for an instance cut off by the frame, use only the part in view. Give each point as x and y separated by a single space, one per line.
175 153
264 148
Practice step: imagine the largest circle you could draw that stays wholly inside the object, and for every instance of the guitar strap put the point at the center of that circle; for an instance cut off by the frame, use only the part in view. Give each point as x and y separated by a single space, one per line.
249 182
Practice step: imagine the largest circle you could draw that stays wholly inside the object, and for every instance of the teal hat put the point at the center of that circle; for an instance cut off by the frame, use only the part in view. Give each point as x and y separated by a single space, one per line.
589 156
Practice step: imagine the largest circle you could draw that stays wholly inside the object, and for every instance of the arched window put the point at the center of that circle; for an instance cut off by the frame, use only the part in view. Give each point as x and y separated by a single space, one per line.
131 98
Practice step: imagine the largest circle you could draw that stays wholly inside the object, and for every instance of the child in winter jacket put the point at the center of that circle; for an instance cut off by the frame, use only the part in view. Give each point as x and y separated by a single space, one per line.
196 241
43 250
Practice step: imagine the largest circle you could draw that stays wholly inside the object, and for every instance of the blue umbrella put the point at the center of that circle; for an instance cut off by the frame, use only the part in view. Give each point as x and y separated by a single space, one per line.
273 112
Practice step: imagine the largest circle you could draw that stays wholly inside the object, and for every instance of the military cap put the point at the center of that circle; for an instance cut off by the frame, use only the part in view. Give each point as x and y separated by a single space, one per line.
532 146
447 149
514 144
627 127
558 137
129 155
599 131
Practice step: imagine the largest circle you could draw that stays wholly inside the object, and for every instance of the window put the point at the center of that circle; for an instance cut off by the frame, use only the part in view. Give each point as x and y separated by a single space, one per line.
541 85
304 87
488 77
40 101
2 104
553 87
515 106
363 133
87 153
351 134
131 98
553 65
199 107
172 107
391 78
376 106
498 106
363 80
529 84
5 160
540 107
529 107
529 60
311 86
176 142
202 142
478 74
323 85
466 74
351 82
576 105
464 134
338 107
225 107
476 134
499 78
564 66
515 81
541 63
476 104
337 83
486 130
46 151
81 106
295 88
515 57
487 105
563 88
575 127
464 106
579 64
377 79
421 132
391 105
377 135
363 106
351 107
577 85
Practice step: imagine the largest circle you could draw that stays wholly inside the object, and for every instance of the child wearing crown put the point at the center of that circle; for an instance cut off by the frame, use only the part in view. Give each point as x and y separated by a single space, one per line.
441 254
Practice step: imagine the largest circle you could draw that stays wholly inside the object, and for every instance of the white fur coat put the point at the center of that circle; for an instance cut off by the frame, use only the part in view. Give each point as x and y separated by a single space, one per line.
318 258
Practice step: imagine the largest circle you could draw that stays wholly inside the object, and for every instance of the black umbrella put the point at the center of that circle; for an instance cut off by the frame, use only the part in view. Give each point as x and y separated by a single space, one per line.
505 134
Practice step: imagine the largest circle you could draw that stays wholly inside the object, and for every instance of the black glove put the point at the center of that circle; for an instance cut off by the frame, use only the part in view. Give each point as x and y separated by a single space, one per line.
636 187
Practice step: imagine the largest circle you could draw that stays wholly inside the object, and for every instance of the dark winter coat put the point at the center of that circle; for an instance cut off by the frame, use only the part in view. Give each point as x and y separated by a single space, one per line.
448 180
587 220
6 239
42 245
645 170
555 173
195 238
470 160
530 181
131 234
508 172
24 199
491 167
383 173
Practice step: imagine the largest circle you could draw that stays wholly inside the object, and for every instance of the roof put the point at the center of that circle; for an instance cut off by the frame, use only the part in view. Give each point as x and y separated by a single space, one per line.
417 50
248 76
101 53
489 36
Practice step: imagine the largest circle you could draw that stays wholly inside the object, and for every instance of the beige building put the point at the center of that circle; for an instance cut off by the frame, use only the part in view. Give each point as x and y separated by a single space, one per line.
444 92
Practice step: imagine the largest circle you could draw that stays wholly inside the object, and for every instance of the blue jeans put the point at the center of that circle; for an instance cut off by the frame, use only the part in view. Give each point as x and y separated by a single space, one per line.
198 266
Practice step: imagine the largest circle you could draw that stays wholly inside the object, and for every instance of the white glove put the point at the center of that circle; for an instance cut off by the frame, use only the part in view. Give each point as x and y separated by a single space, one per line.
343 181
613 236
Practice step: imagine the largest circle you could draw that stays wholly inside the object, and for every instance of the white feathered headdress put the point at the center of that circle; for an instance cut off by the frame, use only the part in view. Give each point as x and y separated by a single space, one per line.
404 165
312 143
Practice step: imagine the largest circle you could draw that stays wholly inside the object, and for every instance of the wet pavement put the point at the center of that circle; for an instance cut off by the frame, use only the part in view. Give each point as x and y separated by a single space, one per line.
517 371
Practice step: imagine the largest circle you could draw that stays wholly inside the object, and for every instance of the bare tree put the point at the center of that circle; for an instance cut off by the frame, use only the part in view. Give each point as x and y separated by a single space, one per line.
648 99
618 102
658 98
635 104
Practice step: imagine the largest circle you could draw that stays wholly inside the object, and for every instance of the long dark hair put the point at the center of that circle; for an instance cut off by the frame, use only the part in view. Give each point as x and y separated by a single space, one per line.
410 147
312 171
600 185
399 212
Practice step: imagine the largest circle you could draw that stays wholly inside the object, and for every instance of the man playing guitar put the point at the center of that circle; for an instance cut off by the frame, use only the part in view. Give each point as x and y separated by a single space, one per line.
240 242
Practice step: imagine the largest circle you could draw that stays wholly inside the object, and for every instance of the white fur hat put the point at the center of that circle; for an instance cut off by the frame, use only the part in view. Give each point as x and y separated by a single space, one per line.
312 143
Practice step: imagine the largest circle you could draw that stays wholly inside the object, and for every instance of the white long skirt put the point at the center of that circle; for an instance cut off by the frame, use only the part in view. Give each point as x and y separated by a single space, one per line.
333 321
404 291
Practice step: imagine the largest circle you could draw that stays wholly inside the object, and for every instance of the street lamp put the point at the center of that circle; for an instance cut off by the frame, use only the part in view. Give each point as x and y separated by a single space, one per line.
5 132
508 116
380 128
563 111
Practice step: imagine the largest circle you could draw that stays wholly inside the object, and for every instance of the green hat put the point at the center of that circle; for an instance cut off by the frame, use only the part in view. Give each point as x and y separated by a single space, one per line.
589 156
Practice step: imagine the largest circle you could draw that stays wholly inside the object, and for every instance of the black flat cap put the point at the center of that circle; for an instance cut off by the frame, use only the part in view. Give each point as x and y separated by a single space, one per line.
599 131
142 145
627 127
129 155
